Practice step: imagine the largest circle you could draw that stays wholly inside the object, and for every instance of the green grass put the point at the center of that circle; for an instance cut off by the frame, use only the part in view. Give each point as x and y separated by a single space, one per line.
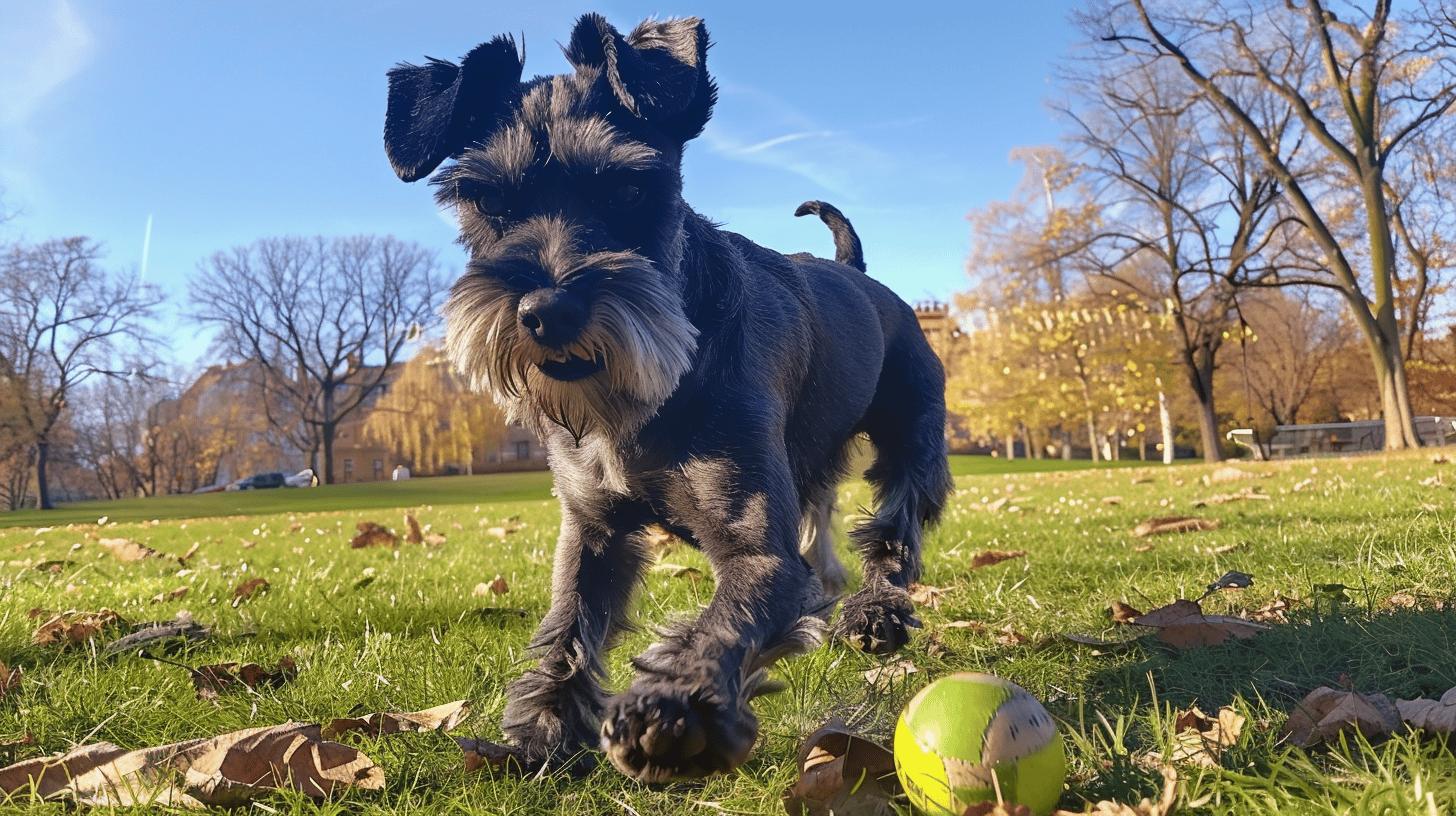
449 490
415 635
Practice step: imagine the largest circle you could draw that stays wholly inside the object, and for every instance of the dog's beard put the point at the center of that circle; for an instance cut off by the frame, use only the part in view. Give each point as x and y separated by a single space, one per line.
637 331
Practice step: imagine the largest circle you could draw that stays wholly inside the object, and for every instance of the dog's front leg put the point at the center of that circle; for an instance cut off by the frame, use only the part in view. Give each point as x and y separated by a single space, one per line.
553 712
686 714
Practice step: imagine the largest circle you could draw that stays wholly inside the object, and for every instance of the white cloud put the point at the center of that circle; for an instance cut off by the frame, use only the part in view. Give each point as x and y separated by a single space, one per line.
42 45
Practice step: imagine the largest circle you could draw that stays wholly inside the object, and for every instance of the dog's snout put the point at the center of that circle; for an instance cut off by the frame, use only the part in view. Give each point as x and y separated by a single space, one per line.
554 317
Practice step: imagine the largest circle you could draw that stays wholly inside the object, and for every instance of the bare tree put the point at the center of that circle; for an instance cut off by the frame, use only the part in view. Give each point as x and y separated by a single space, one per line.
1184 193
64 320
1363 87
325 320
1293 343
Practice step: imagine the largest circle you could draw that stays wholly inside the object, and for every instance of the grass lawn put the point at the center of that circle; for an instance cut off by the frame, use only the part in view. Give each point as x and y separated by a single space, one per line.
493 487
380 629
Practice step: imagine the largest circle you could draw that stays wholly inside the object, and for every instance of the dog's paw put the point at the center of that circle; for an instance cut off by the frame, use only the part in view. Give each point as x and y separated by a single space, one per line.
658 731
552 727
877 619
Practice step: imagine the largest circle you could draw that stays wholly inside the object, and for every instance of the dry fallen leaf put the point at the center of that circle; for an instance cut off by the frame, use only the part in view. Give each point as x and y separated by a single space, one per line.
842 774
1200 739
123 549
1325 712
223 678
413 533
372 534
69 628
1433 716
173 595
1247 494
989 557
247 589
1227 473
440 718
672 570
926 595
187 556
1276 611
1162 525
483 754
227 770
434 539
1147 807
165 635
883 677
9 679
1183 625
498 586
1123 613
1008 636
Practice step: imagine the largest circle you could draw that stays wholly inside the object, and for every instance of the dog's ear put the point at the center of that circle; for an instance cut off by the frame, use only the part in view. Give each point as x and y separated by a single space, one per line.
659 72
435 111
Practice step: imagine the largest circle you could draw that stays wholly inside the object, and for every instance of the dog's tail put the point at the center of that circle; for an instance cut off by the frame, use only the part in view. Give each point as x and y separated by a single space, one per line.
847 249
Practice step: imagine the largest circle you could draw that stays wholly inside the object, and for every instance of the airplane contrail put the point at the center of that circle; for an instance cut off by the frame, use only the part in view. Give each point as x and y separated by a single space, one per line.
146 246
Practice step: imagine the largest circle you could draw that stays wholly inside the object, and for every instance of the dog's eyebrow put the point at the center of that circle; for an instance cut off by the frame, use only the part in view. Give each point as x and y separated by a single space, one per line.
591 143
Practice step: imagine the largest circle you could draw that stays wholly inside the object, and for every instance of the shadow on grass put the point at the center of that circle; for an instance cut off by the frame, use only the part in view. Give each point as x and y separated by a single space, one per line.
1404 653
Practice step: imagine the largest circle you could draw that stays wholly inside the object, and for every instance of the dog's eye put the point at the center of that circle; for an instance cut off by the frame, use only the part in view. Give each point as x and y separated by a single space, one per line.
490 201
625 196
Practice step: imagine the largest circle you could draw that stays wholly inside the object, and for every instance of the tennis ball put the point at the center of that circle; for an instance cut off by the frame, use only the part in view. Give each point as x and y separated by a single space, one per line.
964 736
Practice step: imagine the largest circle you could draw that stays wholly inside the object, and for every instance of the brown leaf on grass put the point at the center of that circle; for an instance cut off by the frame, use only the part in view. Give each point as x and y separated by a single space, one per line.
884 677
672 570
1147 807
247 589
171 595
1228 473
54 566
413 533
126 550
997 809
1410 600
1163 525
434 539
187 556
1247 494
372 534
1325 712
926 595
498 586
1273 612
1200 739
842 774
1008 636
1142 548
70 628
9 679
164 635
441 718
229 770
1112 501
1123 613
989 557
1433 716
482 754
1183 625
224 678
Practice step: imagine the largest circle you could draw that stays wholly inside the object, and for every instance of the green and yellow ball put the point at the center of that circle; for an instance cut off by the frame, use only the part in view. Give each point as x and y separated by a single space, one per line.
964 736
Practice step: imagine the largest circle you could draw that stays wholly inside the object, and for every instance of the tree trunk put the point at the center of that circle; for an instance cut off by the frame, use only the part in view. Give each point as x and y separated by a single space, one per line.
1165 422
1092 434
1208 432
42 486
1010 446
326 431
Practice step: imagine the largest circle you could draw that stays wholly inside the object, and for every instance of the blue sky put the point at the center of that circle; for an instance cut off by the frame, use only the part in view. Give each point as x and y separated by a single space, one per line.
219 123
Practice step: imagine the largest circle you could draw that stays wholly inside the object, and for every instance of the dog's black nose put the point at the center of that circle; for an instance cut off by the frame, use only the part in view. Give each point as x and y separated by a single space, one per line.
553 316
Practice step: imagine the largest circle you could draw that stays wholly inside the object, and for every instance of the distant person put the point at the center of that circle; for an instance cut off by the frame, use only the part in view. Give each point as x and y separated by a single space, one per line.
400 474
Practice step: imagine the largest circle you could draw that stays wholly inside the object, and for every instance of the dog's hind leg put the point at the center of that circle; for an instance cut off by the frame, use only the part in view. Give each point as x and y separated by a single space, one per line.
553 711
816 543
911 479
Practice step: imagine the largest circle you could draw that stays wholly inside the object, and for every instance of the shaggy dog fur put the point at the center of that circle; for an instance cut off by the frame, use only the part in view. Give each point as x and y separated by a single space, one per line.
681 376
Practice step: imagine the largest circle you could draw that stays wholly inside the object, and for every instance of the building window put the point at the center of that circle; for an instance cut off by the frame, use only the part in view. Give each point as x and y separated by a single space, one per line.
378 468
348 469
523 450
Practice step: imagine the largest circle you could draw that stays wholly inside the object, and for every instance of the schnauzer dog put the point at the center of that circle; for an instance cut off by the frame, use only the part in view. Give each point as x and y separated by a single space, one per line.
681 376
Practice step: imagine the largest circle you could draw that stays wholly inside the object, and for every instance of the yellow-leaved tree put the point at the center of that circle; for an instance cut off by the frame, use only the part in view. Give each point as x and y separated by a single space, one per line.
431 417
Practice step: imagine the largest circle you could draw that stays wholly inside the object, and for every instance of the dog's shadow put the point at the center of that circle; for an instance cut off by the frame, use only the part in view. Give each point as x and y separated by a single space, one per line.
1404 653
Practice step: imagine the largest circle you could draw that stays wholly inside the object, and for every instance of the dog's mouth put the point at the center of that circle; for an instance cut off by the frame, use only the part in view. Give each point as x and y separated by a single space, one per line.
572 368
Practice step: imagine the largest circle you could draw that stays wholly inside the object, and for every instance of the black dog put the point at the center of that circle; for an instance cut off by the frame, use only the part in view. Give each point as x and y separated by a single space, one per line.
680 375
